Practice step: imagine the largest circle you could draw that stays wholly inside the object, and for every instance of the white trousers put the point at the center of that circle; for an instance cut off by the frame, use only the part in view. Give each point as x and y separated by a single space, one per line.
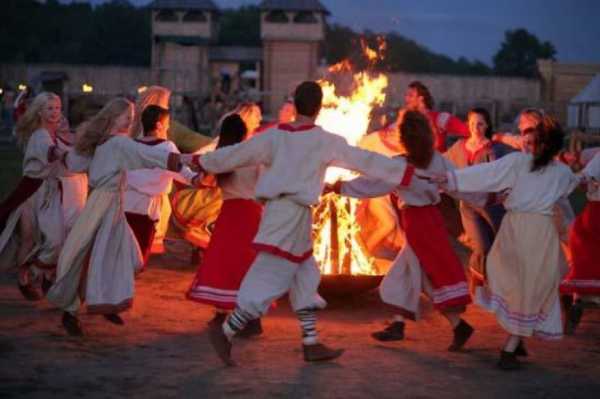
270 277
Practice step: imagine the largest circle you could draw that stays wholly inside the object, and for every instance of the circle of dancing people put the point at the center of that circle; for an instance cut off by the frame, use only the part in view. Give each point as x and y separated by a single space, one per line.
76 247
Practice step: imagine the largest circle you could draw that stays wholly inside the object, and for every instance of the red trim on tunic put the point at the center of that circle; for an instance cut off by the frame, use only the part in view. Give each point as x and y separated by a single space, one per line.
144 230
25 189
64 141
152 142
273 250
471 155
289 128
264 128
584 242
408 174
174 162
428 237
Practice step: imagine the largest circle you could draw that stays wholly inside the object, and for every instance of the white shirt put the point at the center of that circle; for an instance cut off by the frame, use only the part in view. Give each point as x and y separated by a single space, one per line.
296 160
535 192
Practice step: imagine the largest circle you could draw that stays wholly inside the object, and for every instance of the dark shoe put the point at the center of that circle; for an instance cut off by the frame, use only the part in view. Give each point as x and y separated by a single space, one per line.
72 325
320 352
114 318
393 332
508 361
29 292
46 284
252 329
219 318
573 317
567 302
220 343
521 351
462 333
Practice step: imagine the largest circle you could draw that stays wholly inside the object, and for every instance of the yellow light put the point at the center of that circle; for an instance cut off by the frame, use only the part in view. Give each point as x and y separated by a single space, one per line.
87 88
142 89
1 91
22 87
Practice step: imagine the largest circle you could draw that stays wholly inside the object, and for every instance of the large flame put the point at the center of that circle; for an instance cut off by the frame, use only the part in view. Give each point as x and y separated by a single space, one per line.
336 232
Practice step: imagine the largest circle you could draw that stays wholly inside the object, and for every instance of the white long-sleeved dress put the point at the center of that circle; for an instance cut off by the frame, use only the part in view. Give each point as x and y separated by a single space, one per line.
53 208
525 264
442 277
101 234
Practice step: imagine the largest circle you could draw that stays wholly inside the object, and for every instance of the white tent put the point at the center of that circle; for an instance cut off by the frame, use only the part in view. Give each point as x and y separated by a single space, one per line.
584 108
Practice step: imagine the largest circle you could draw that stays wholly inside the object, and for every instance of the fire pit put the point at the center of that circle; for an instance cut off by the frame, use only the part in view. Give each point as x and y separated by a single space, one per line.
340 285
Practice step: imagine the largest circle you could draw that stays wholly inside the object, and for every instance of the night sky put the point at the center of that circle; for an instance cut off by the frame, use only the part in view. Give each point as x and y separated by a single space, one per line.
470 28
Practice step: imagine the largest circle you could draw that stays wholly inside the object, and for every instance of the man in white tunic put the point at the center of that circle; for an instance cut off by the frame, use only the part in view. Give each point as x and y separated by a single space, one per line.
295 157
147 206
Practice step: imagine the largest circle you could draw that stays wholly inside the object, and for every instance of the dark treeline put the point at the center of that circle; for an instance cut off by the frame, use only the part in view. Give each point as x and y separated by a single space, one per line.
118 33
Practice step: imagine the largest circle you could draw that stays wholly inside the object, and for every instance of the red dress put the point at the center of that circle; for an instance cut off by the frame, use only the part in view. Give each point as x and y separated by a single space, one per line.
584 242
230 253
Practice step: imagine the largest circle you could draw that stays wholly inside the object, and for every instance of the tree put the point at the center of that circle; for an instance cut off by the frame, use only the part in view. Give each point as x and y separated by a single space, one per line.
519 53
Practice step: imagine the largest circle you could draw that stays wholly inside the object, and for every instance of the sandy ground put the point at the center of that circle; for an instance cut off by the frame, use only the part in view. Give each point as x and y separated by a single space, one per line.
163 352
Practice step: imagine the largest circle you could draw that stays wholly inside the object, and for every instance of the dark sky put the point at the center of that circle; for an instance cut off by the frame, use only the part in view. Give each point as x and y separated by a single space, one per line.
471 28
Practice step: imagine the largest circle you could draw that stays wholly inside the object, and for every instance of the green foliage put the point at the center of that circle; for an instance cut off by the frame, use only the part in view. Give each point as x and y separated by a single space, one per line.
240 27
118 33
519 53
113 33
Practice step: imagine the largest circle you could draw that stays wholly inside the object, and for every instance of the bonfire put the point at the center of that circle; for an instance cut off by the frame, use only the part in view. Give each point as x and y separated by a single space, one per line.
337 242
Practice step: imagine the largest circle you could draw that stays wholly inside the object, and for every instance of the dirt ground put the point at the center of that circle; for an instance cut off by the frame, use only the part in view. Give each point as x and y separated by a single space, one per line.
163 352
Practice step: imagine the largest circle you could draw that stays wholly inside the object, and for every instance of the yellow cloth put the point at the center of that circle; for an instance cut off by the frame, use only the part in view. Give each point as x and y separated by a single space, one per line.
186 139
194 211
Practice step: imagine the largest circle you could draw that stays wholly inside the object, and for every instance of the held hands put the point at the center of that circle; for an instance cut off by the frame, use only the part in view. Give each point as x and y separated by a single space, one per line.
55 153
192 161
441 179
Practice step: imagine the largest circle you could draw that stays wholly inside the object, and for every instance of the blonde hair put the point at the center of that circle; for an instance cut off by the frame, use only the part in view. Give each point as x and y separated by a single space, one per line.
97 130
31 119
153 95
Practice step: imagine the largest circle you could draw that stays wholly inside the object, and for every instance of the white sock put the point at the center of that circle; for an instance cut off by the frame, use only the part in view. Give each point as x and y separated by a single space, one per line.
228 331
398 318
511 343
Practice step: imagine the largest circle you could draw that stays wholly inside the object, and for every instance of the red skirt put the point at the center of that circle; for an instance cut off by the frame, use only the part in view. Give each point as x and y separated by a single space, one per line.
144 231
428 237
229 254
584 243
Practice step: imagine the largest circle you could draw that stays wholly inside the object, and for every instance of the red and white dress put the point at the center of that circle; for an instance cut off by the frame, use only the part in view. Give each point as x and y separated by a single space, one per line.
584 240
427 262
230 252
